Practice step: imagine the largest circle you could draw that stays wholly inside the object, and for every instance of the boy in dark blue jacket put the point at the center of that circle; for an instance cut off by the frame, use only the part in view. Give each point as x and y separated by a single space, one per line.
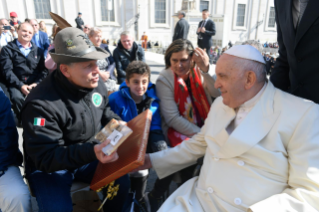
14 193
135 95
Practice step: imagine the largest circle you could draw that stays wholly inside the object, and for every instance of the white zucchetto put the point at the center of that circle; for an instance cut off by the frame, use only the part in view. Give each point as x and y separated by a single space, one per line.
246 52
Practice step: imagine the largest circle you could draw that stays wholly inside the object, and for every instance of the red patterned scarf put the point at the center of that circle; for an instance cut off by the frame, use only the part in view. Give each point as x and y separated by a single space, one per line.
192 105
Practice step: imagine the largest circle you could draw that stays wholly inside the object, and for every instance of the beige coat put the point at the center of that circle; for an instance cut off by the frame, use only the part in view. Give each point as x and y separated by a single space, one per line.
169 110
269 163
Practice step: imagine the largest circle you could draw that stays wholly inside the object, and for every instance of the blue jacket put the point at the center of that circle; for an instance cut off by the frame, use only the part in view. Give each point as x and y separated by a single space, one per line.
9 146
123 105
44 41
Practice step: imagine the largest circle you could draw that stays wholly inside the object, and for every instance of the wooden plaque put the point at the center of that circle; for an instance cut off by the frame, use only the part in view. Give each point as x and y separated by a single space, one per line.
131 153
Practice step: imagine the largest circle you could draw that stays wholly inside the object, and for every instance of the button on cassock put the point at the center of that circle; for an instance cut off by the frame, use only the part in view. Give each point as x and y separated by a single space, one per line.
237 201
240 163
216 159
210 190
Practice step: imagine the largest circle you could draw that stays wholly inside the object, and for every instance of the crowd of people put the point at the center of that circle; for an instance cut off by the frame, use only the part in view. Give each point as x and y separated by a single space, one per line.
257 145
270 58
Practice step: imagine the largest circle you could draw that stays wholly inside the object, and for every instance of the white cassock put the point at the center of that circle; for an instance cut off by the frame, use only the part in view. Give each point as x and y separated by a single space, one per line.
269 163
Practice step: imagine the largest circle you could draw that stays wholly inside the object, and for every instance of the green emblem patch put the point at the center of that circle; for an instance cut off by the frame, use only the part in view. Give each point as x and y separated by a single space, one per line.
97 99
69 44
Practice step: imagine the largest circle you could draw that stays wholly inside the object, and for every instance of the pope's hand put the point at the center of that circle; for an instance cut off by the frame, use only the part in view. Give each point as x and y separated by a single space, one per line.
147 164
103 158
123 122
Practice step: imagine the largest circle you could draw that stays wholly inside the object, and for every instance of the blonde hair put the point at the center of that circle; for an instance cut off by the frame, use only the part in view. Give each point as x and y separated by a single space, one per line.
94 30
44 29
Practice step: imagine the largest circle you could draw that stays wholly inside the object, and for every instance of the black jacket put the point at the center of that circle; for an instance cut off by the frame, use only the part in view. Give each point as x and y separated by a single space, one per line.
79 22
122 58
71 122
297 67
17 70
181 29
207 40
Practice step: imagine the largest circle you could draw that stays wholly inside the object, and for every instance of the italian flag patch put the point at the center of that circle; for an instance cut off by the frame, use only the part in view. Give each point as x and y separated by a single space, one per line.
39 122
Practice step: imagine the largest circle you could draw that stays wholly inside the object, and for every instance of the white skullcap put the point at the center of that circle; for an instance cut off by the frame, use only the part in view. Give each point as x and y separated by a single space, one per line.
247 52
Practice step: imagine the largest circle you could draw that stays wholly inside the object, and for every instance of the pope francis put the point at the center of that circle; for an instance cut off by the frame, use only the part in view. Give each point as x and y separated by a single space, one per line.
261 146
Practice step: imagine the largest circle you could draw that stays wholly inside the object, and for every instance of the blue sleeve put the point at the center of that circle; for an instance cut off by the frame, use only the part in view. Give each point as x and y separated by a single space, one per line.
110 58
156 123
112 102
46 44
9 146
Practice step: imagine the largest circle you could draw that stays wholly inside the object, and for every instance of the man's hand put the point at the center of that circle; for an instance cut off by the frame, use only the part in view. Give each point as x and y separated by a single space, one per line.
201 59
25 89
33 85
203 30
198 30
147 164
103 158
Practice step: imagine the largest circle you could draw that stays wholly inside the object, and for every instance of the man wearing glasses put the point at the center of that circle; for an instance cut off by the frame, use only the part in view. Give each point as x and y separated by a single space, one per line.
86 29
40 38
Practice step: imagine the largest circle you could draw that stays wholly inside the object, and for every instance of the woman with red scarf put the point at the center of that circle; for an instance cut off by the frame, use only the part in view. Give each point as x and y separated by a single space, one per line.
186 91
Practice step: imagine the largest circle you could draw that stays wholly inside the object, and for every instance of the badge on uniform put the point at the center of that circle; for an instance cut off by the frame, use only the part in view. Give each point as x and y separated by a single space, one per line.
39 122
97 99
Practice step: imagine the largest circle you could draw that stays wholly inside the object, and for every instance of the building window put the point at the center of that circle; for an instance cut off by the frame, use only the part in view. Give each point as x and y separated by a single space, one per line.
42 9
160 11
271 22
203 5
241 15
107 15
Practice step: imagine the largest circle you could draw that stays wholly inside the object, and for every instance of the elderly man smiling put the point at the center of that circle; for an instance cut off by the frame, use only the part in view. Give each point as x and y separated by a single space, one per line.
260 155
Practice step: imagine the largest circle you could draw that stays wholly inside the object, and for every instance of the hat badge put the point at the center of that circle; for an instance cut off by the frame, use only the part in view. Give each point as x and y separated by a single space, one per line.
69 44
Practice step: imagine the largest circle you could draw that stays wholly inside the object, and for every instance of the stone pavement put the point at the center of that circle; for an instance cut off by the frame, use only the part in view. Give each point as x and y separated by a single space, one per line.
156 63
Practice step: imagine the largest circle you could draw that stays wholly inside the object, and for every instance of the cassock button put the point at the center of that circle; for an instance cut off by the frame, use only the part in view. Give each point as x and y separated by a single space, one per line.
240 163
216 159
210 190
237 201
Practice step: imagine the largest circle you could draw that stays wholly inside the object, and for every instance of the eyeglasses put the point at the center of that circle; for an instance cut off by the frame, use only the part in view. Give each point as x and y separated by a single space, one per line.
35 25
86 28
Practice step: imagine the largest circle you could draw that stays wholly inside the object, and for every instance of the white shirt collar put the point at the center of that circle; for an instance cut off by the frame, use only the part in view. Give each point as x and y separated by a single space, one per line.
244 110
253 101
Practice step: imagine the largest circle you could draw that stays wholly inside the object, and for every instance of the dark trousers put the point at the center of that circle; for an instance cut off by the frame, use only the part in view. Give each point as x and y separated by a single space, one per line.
207 51
157 143
16 97
52 190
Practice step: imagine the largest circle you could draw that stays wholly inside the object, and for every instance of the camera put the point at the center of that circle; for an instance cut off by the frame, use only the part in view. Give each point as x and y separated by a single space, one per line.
7 27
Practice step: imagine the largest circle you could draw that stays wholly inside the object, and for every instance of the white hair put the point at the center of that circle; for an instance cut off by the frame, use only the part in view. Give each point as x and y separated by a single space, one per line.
127 33
258 68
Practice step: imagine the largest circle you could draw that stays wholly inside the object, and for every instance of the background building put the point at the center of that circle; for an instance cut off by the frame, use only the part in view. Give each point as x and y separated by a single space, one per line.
236 20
